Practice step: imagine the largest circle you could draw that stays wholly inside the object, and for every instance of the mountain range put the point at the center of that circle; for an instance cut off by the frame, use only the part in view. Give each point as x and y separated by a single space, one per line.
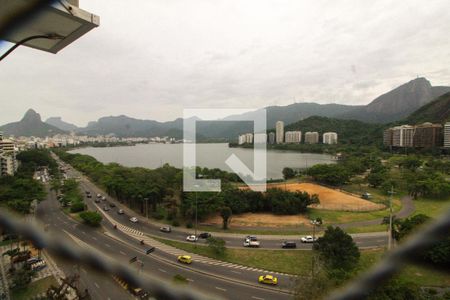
394 105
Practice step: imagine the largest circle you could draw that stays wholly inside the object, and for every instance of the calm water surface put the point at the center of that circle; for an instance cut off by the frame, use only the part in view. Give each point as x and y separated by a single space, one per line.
208 155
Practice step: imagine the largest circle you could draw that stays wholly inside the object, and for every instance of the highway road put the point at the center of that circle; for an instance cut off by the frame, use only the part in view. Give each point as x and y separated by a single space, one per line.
220 281
363 240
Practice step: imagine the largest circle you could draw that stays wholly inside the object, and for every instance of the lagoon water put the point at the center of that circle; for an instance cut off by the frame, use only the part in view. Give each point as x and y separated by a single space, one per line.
208 155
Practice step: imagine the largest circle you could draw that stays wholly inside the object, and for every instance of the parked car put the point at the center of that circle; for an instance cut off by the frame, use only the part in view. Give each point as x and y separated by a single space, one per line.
186 259
268 279
33 260
288 244
165 229
103 198
366 196
38 266
87 192
204 235
99 196
112 204
105 208
133 219
120 212
97 200
89 196
191 238
308 239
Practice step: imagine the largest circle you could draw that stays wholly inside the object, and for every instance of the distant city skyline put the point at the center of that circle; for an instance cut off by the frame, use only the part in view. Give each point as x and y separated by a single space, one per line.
149 60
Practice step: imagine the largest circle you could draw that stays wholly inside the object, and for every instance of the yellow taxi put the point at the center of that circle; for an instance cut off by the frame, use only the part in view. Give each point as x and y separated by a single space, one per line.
186 259
268 279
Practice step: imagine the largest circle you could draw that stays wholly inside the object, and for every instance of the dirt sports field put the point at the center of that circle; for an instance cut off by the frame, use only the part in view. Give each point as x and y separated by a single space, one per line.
330 199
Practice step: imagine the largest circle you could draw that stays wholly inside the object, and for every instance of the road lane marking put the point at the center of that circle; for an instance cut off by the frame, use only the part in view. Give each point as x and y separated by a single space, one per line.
96 285
220 289
83 232
164 271
190 280
236 272
83 270
94 238
257 298
123 253
107 245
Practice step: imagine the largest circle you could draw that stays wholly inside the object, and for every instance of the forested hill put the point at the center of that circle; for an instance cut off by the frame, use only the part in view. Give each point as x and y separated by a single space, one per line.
349 131
437 111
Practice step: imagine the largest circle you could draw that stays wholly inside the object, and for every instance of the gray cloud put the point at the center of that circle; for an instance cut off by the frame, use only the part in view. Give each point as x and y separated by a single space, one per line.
151 59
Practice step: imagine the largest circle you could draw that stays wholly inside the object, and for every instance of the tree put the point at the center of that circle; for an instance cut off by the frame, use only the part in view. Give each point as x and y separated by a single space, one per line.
376 179
216 245
404 227
288 173
91 218
338 252
225 213
22 278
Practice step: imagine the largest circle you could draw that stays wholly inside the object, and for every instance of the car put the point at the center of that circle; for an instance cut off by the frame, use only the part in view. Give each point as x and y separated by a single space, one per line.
33 260
288 244
165 229
89 196
204 235
308 239
99 196
112 204
38 266
191 238
105 208
87 192
250 243
366 196
133 219
120 212
103 198
97 200
186 259
268 279
251 238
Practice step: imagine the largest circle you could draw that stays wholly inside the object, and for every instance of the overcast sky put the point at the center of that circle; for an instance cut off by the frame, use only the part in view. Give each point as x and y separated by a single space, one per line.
152 58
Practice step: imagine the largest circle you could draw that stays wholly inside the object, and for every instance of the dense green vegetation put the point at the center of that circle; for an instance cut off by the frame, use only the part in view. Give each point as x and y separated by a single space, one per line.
91 218
437 111
18 191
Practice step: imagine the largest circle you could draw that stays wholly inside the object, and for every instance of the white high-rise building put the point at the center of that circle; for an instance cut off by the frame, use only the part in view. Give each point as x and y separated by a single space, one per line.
271 139
260 138
293 137
330 138
279 128
242 139
311 137
249 138
8 163
447 135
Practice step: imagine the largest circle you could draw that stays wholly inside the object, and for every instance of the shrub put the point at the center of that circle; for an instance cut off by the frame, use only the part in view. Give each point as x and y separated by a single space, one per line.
91 218
77 207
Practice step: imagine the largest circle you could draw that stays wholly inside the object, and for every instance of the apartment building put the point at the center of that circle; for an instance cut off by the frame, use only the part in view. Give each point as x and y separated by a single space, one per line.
330 138
249 138
447 135
260 138
293 137
279 128
428 135
8 162
403 136
388 137
311 137
271 138
242 139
